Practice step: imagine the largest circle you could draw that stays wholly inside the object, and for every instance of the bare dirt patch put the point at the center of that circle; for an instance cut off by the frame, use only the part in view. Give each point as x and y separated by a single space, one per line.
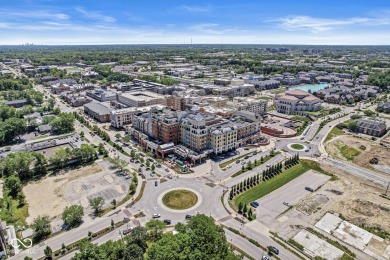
368 150
46 196
354 199
313 203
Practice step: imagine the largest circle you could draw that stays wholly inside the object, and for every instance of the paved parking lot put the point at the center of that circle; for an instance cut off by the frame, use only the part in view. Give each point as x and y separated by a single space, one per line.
271 206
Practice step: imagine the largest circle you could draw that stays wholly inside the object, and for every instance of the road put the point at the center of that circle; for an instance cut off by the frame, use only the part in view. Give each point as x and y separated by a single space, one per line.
355 170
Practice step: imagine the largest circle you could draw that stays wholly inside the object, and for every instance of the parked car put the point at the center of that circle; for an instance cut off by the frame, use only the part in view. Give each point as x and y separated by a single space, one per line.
156 183
246 157
254 153
306 150
265 257
128 177
254 204
243 163
268 165
286 203
309 189
156 215
188 216
167 170
274 250
169 176
238 161
127 231
167 221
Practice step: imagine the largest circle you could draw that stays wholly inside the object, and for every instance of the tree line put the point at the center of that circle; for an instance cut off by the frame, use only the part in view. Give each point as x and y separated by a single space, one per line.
200 238
253 181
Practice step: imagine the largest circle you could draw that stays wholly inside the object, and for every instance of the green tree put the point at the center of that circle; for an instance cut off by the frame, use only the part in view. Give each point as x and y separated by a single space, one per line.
96 204
41 227
180 227
353 126
72 216
63 123
138 236
12 186
48 252
119 164
240 206
102 150
155 229
202 240
113 203
153 167
134 252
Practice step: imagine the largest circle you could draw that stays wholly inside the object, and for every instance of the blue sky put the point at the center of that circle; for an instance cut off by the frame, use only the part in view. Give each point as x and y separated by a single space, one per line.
168 21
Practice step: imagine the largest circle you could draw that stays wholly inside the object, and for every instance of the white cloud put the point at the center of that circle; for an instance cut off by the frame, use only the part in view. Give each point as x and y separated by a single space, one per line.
44 14
95 15
315 25
195 9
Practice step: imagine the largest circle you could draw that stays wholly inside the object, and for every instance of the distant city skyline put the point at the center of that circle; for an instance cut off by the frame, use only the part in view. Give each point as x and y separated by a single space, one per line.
71 22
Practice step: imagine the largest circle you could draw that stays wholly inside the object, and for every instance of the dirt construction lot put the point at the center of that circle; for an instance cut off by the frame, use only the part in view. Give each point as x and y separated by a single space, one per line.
51 195
356 200
360 151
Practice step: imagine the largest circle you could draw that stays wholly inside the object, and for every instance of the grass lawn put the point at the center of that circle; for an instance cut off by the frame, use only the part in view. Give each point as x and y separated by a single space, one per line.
264 98
180 199
269 186
297 146
333 133
348 152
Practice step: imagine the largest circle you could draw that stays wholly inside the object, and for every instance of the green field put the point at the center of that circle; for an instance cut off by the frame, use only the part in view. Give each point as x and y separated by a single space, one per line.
269 186
348 152
333 133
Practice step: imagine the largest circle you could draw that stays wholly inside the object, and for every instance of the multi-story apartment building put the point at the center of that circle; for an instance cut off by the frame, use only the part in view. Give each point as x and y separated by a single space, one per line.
194 130
141 99
223 138
296 102
259 107
122 117
175 102
193 135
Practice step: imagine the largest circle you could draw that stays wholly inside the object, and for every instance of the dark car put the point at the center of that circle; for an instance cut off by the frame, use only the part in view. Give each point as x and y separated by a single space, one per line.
274 250
127 231
254 204
309 189
167 221
188 216
156 183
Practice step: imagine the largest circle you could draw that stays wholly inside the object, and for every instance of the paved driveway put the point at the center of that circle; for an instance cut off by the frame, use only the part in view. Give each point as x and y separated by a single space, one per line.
271 206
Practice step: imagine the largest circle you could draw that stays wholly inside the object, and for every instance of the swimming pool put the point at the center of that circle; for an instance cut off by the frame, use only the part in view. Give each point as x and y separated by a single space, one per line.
312 87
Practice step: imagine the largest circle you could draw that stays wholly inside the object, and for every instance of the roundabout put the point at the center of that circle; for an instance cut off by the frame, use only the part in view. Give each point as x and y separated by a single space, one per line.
179 199
297 147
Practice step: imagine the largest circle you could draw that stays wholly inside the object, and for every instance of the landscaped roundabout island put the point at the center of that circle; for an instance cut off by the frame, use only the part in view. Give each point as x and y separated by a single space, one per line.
180 199
297 146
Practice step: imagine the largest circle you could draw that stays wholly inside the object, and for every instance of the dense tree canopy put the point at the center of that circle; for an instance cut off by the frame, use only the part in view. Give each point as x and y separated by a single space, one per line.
63 124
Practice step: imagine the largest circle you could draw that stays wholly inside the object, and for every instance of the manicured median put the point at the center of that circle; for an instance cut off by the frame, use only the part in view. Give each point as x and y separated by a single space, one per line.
180 199
269 186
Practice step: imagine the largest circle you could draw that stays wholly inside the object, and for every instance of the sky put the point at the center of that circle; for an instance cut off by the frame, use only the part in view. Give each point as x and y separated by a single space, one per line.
90 22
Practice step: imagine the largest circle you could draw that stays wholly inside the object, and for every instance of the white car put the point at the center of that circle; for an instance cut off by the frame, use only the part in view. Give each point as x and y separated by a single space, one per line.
286 204
156 215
